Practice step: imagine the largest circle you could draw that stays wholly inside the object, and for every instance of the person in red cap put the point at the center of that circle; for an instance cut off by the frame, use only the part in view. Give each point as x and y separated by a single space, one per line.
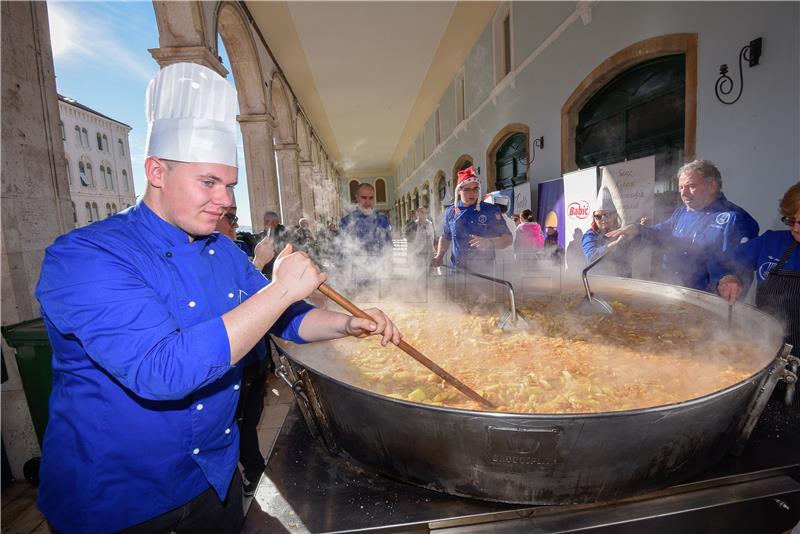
474 229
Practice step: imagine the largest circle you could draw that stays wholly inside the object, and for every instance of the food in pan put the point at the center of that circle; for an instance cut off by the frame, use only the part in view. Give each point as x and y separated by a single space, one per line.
642 356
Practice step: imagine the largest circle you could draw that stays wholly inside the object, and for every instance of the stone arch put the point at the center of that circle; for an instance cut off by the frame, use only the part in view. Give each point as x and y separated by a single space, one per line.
235 33
282 112
460 163
303 138
499 139
677 43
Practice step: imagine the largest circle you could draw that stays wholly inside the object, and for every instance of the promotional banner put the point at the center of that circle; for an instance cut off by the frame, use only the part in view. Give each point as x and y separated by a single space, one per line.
580 190
550 208
632 186
522 197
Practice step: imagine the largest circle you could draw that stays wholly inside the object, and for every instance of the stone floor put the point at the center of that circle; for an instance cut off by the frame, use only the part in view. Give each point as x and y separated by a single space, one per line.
18 512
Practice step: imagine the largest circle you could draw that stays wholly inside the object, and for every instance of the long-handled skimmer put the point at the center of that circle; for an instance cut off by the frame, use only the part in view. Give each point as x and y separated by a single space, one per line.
512 317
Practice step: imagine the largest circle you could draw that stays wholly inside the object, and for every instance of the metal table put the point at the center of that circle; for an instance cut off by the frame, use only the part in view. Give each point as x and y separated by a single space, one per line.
306 489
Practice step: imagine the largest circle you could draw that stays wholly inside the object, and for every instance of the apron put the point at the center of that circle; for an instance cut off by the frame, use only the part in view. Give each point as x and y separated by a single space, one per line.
779 296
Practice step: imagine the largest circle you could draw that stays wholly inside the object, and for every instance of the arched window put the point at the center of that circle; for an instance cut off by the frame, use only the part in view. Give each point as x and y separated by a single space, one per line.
94 210
121 147
114 207
441 188
82 173
109 178
103 175
640 112
105 143
108 209
74 213
78 135
125 185
511 162
415 199
99 142
85 137
90 175
89 213
63 131
353 189
380 190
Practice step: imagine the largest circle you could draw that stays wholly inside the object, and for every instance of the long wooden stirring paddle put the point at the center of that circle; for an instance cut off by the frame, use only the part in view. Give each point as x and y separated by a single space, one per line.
342 301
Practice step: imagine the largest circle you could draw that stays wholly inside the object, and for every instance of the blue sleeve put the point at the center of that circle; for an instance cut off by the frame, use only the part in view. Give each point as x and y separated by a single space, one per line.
592 249
95 295
741 231
446 225
288 325
657 233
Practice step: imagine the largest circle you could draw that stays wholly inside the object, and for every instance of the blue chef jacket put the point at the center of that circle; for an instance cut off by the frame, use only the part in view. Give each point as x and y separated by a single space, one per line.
618 263
460 225
143 400
763 253
695 241
372 231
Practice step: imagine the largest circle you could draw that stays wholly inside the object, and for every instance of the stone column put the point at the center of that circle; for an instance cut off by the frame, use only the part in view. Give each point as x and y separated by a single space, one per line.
305 169
35 194
259 155
289 172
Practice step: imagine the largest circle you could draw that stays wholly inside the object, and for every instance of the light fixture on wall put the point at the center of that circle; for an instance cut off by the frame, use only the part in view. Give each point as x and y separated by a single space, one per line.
537 143
724 86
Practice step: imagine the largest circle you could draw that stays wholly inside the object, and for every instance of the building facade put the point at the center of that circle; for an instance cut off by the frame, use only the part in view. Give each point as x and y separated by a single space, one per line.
98 162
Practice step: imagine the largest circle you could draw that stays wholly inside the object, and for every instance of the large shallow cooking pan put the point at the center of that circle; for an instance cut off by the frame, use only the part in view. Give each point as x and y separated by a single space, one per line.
542 459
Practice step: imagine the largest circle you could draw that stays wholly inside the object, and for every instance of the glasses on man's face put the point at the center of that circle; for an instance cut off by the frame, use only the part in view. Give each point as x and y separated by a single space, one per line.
232 219
789 222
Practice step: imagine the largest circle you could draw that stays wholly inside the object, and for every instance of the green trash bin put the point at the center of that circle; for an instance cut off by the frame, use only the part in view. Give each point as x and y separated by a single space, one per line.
34 355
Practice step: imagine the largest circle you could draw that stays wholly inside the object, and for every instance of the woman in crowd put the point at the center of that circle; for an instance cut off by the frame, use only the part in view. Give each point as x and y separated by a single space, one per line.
595 243
529 236
775 258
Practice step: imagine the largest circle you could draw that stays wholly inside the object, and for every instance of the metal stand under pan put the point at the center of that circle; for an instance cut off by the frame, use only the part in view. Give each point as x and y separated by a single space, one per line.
305 489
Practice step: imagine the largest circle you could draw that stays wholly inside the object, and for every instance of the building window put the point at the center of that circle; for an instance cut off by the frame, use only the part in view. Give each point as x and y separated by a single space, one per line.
461 110
78 135
353 189
511 162
501 33
121 147
63 132
90 175
125 185
437 129
94 210
109 178
89 212
99 142
103 174
108 209
380 190
85 137
113 207
105 143
441 189
74 213
82 174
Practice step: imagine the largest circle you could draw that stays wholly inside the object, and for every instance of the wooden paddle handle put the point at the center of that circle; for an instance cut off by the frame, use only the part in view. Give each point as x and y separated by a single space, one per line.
342 301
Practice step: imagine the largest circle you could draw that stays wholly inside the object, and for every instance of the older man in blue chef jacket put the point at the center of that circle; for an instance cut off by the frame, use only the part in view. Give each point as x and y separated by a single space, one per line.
149 313
698 234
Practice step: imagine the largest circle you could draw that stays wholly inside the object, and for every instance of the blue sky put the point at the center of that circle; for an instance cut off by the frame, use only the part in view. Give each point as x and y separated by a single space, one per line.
101 60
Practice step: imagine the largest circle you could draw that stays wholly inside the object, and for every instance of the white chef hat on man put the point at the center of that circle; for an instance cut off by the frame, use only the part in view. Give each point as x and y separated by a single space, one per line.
191 116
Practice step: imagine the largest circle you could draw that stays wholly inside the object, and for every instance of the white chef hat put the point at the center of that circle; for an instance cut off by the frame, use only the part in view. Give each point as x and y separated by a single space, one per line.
603 202
191 115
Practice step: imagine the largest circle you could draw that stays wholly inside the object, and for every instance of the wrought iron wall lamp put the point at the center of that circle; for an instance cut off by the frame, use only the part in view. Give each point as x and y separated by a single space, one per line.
724 86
